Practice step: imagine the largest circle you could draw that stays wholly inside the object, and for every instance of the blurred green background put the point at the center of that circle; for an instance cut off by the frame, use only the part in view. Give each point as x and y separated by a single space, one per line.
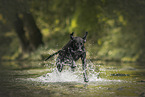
33 29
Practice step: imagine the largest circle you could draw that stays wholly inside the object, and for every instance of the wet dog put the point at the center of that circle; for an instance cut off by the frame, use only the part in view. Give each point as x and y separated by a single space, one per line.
71 52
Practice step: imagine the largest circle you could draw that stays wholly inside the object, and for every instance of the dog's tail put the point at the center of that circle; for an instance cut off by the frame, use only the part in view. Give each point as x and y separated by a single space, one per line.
52 55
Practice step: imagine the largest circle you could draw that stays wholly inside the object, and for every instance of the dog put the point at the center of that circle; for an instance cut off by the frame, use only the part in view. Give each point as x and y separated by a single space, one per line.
71 52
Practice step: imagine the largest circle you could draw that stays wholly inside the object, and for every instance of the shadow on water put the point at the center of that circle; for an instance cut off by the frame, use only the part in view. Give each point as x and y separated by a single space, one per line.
41 79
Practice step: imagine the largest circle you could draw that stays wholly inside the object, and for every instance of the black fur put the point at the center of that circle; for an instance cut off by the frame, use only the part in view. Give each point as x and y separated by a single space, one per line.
71 52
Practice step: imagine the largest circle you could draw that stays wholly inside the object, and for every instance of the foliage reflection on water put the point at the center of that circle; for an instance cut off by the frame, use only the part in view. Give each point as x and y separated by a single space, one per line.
39 79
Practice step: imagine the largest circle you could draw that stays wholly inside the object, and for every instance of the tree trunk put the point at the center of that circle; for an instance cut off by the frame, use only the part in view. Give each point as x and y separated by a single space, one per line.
18 25
35 36
29 34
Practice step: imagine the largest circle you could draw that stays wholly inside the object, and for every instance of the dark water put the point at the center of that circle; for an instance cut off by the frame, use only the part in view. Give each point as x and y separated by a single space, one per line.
38 79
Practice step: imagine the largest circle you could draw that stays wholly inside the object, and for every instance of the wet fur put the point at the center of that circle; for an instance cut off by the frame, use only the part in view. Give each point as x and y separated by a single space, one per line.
71 52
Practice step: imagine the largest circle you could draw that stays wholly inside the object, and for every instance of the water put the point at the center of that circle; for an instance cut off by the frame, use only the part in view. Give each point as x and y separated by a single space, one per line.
67 75
39 79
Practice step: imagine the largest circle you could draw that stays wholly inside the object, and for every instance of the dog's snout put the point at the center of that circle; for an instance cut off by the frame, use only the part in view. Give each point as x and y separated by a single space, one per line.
79 50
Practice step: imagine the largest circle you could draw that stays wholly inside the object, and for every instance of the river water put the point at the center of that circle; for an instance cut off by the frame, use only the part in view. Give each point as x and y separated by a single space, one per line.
41 79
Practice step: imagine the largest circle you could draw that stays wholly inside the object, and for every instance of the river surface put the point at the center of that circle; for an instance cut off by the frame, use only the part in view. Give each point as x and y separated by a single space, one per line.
41 79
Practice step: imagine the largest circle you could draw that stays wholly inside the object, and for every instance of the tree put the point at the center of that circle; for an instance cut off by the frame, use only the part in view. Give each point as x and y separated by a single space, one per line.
17 13
29 34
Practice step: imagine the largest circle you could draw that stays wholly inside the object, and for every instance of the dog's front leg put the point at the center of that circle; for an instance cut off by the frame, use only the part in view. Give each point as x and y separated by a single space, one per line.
84 67
73 66
59 64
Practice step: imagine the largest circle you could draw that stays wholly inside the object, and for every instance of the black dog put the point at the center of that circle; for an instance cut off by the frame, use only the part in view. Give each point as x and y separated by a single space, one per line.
71 52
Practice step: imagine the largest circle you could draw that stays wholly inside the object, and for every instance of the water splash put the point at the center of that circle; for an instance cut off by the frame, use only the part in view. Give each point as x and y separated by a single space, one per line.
67 75
55 76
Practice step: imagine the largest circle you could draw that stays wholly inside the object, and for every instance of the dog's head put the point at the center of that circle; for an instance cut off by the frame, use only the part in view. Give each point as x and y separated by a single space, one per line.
78 42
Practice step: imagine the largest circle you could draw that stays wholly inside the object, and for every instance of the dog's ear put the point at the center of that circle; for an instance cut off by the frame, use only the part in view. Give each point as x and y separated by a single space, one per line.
85 37
71 36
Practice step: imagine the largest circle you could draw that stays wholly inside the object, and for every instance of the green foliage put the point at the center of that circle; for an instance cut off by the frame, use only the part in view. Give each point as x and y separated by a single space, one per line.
116 27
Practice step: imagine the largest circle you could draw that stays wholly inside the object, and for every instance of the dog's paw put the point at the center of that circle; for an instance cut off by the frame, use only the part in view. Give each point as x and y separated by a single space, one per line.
86 80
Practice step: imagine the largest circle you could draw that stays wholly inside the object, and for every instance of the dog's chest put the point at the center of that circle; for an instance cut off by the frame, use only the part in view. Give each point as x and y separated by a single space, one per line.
76 56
